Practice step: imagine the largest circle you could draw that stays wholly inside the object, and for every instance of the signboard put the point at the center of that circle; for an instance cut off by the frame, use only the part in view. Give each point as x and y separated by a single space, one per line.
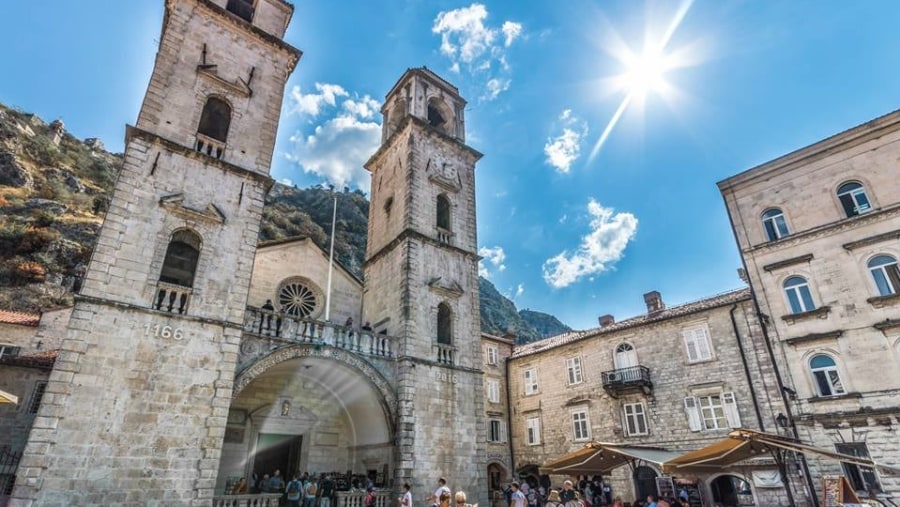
837 492
665 488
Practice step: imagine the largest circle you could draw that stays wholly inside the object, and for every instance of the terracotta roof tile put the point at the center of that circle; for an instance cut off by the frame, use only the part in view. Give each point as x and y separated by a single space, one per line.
559 340
20 318
43 360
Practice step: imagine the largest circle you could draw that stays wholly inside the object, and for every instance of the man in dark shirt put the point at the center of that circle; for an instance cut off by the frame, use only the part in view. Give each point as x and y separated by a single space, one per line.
327 491
568 493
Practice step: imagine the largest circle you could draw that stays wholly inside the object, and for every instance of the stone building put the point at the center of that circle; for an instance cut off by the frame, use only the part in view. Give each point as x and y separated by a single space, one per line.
194 356
818 233
496 351
676 378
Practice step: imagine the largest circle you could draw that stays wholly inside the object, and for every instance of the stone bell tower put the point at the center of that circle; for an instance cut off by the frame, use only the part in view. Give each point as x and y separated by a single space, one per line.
135 409
421 275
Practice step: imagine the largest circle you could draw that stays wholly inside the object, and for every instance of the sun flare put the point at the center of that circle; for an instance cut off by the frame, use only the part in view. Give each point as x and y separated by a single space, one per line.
645 73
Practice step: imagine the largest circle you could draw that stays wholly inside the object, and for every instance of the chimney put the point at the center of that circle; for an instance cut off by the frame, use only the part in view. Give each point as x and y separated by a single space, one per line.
654 302
606 320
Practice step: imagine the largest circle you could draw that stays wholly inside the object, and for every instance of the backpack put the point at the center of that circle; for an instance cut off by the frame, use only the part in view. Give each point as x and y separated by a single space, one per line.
293 487
311 489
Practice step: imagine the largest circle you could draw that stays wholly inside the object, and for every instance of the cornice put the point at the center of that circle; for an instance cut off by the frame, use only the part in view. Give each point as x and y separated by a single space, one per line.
812 337
802 259
872 240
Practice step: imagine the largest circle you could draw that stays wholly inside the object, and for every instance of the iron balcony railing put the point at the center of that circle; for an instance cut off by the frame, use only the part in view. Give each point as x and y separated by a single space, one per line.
624 378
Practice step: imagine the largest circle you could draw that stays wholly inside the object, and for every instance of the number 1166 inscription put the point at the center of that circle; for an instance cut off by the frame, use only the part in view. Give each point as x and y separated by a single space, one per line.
176 333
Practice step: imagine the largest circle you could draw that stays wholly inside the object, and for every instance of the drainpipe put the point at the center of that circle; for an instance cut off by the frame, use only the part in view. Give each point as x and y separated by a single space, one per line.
778 378
740 344
512 461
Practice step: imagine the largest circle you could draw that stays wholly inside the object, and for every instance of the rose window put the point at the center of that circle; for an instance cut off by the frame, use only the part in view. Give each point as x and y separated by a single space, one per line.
297 299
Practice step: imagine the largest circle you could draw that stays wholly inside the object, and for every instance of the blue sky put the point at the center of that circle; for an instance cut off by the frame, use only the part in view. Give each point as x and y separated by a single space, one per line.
562 231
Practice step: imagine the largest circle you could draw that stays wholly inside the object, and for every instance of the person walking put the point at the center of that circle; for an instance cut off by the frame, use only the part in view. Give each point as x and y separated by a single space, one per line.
517 499
568 493
435 498
406 497
293 491
553 499
327 491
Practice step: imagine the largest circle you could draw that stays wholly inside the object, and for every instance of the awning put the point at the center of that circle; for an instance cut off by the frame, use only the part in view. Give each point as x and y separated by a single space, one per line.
5 397
743 444
600 458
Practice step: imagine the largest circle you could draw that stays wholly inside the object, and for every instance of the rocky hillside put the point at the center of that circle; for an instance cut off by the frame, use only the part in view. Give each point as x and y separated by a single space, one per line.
54 190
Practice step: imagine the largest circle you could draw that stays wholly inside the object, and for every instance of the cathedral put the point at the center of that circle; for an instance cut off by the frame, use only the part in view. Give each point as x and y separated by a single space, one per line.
194 356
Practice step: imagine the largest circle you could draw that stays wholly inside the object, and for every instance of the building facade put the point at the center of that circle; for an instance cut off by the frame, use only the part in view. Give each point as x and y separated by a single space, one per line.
819 233
676 378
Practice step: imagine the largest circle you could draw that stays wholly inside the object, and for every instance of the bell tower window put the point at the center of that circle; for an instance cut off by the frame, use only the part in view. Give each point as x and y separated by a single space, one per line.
444 325
241 8
443 212
213 129
440 116
177 276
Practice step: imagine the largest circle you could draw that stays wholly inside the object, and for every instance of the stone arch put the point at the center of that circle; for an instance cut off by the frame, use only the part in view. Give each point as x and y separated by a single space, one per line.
440 116
388 399
714 492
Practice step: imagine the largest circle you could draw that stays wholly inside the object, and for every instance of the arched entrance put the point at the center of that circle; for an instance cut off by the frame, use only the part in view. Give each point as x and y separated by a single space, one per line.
497 478
645 482
731 491
305 409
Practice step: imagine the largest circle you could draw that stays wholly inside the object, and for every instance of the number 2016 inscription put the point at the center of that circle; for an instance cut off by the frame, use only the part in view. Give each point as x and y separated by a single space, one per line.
176 333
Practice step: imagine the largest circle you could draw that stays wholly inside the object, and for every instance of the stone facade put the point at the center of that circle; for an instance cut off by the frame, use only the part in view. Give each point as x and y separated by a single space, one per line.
135 408
496 351
833 212
421 282
631 382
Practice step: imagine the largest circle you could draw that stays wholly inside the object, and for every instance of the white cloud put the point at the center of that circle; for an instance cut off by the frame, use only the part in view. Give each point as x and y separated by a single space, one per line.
286 181
341 143
599 250
495 87
311 103
467 40
520 289
491 255
511 31
565 148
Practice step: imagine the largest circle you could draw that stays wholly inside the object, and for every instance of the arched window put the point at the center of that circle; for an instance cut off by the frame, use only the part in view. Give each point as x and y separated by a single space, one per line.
853 198
440 116
444 325
241 8
215 119
886 274
826 376
797 291
443 212
180 263
774 224
625 357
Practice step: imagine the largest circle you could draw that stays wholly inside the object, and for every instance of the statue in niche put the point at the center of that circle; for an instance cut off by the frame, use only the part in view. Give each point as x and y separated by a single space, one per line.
285 408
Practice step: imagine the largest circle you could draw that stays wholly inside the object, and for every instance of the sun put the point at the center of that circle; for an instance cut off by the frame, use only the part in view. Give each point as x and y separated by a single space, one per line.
645 73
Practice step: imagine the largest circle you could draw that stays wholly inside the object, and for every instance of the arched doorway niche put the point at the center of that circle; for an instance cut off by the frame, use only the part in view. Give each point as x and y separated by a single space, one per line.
645 482
731 490
306 409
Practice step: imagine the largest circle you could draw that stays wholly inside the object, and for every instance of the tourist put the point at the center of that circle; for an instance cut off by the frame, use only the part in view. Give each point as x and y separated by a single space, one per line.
264 484
327 491
567 494
553 499
240 487
651 501
607 494
310 488
517 499
406 497
293 491
663 502
618 502
267 317
460 498
276 483
435 498
370 497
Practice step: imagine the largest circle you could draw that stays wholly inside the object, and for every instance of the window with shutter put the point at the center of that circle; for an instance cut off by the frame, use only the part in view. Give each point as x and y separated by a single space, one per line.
581 426
493 391
696 341
712 412
635 419
731 410
492 355
573 369
533 431
692 411
531 385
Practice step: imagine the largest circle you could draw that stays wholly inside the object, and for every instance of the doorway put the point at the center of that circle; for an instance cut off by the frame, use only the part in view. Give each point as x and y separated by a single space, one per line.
626 356
731 491
277 452
645 482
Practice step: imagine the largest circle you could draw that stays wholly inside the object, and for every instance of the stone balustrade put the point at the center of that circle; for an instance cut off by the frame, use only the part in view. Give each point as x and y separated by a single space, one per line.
171 298
446 354
358 498
212 147
256 500
287 328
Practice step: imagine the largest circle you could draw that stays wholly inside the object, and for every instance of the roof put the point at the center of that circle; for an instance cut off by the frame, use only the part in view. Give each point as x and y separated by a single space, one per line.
301 238
20 318
603 458
673 312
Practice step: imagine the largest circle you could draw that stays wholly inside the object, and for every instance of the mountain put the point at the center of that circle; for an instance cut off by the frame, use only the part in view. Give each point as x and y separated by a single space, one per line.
53 196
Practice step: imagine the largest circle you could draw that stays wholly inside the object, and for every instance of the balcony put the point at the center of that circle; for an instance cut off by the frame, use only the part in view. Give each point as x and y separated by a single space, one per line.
625 380
289 329
171 298
209 146
445 354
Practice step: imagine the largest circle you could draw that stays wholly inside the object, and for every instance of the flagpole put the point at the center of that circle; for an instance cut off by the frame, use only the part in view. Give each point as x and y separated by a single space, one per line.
330 262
